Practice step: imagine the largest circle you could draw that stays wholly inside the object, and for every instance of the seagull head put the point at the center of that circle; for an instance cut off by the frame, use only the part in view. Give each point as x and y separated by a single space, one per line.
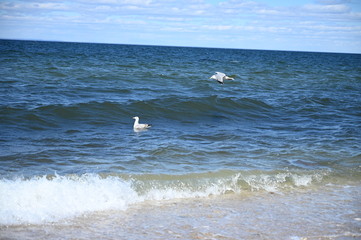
136 118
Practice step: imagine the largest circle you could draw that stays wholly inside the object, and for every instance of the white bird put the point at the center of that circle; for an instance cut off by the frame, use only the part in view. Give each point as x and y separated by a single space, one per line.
220 77
140 126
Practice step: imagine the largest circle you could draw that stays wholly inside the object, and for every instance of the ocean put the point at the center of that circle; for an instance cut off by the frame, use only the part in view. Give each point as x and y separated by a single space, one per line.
273 154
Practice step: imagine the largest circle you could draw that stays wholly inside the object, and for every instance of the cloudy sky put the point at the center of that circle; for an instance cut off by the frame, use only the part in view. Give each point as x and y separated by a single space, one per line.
306 25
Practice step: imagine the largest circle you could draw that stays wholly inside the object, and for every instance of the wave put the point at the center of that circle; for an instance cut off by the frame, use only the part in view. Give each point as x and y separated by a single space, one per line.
52 198
172 107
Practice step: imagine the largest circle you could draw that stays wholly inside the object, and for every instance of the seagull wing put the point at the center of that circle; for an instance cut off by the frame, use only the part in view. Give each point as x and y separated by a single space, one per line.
220 77
142 126
220 74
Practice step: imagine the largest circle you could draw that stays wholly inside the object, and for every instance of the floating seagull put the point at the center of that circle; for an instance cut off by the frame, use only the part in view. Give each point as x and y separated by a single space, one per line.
220 77
139 126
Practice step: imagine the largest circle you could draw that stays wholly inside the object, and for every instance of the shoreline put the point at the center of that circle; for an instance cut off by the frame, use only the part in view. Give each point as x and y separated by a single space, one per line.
330 213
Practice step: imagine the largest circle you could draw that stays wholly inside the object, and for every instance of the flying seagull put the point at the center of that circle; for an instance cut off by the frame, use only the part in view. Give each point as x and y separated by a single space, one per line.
139 126
220 77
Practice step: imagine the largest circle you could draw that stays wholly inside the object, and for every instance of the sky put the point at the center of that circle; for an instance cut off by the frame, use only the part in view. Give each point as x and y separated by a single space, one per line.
297 25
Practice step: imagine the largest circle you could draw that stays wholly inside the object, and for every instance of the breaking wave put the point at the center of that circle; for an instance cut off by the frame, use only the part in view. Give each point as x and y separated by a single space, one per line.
52 198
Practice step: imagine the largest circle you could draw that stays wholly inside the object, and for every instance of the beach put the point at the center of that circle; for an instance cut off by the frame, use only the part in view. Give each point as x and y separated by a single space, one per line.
272 154
322 214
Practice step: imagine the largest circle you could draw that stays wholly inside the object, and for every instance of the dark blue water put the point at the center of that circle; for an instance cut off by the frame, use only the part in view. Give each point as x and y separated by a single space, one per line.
288 118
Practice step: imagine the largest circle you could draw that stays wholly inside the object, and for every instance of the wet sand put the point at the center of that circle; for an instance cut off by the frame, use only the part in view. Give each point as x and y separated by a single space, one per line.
332 213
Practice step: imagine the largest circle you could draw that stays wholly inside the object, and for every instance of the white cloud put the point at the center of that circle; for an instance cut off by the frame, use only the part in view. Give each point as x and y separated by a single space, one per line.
336 8
246 22
218 27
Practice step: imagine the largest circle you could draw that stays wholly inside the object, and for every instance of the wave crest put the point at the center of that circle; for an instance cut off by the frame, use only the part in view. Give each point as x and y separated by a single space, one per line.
53 198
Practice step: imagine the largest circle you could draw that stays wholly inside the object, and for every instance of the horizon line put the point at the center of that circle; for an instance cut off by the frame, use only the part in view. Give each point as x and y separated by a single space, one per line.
154 45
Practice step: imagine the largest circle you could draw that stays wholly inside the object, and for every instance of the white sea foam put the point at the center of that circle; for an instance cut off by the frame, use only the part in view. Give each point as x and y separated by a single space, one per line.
50 199
40 199
282 180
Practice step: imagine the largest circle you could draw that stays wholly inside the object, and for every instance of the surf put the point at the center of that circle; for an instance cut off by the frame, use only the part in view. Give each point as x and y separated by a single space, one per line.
52 198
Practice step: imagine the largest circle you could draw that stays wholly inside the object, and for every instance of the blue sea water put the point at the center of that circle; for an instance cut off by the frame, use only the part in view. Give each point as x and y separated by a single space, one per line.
289 120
